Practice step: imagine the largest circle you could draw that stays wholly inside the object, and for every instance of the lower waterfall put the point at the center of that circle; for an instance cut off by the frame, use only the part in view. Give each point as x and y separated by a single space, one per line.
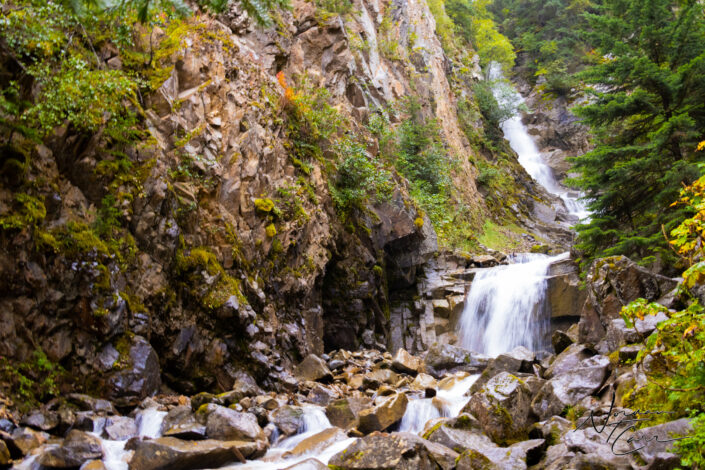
506 307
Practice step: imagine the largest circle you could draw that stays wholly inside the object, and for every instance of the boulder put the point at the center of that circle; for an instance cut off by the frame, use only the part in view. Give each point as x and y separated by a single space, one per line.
181 422
443 358
398 451
139 378
570 387
317 442
502 407
321 395
567 360
169 453
120 428
344 413
519 359
225 424
406 363
596 448
612 283
43 420
24 440
651 448
313 368
88 403
422 382
77 448
289 419
383 415
561 340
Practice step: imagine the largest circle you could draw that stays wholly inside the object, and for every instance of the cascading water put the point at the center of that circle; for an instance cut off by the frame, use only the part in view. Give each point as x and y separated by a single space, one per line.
525 147
505 307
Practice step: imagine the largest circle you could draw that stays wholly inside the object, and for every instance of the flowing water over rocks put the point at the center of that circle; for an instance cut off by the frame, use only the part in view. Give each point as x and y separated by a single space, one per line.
528 152
506 307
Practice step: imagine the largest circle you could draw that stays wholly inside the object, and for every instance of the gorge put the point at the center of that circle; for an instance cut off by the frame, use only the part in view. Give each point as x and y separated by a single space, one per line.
330 234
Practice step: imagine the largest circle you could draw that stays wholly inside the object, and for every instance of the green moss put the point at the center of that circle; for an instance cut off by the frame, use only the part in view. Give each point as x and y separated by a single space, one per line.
264 205
434 428
190 264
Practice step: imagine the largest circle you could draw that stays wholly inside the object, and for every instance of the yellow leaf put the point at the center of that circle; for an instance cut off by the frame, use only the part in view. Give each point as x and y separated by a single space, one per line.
700 146
689 330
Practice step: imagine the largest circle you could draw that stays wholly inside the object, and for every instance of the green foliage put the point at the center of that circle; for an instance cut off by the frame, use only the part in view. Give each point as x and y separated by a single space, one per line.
421 157
676 350
358 177
550 34
476 24
32 381
646 115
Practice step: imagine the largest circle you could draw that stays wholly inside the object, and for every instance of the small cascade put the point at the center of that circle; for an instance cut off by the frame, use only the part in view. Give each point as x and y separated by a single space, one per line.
523 144
447 403
314 421
149 422
506 307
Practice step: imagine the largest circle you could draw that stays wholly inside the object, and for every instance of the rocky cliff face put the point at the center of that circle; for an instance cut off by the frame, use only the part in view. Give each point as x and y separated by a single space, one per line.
232 257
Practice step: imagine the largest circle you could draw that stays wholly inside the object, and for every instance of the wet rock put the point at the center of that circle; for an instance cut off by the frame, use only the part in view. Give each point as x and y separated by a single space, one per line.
180 422
313 368
225 424
502 407
168 453
43 420
383 415
140 378
317 442
398 451
444 358
570 387
344 413
78 447
406 363
289 419
120 428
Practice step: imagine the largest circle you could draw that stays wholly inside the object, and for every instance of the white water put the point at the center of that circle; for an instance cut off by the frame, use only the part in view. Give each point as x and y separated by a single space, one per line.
505 307
451 401
115 457
314 421
525 147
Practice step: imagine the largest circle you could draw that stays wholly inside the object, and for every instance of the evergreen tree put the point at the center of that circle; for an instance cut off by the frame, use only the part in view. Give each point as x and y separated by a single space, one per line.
647 115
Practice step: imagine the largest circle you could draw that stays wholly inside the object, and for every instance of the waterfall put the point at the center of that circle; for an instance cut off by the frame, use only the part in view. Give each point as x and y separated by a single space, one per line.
506 307
523 144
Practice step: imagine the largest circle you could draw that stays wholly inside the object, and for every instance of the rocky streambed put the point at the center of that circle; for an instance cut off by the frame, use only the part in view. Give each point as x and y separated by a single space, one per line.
448 408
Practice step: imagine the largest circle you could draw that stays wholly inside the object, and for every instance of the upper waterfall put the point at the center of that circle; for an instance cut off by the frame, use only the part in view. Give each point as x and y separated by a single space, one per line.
529 155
